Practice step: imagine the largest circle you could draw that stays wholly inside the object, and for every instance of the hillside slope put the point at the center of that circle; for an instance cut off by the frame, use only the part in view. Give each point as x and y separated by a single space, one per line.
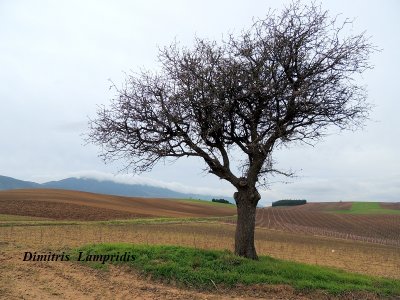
336 219
74 205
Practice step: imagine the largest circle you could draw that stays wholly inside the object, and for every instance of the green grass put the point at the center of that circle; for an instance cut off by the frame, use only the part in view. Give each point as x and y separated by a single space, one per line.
10 220
208 203
166 220
202 268
361 208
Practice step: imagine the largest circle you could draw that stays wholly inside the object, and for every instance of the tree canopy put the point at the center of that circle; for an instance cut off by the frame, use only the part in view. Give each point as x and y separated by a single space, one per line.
289 77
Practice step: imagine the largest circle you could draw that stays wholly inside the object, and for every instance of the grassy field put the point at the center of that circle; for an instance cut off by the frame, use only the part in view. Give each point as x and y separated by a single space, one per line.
362 208
207 268
13 220
353 256
7 219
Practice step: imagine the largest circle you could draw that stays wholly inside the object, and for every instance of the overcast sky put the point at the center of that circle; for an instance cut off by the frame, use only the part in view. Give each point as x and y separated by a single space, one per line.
57 57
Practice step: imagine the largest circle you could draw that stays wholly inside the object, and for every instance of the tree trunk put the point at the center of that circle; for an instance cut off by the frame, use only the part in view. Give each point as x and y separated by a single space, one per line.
246 202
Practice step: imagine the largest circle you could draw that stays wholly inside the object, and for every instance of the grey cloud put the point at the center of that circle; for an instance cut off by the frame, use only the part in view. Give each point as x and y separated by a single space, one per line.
57 57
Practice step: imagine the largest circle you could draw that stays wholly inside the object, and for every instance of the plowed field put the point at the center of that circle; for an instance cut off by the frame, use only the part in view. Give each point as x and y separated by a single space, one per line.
318 219
73 205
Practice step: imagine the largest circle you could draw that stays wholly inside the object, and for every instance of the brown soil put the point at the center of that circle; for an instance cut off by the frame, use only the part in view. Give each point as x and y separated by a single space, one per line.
61 211
315 220
395 205
73 205
320 206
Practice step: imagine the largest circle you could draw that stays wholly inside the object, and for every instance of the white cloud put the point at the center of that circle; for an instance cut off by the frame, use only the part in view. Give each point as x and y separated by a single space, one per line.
143 180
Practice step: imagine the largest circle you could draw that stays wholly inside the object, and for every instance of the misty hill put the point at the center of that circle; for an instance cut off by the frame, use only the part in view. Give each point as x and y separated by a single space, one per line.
101 187
9 183
112 188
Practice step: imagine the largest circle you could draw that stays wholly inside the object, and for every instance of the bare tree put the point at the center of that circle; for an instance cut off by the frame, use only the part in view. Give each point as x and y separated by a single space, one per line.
288 78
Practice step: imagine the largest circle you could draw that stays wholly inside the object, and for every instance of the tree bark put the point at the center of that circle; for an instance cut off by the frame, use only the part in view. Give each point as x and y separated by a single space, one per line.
246 202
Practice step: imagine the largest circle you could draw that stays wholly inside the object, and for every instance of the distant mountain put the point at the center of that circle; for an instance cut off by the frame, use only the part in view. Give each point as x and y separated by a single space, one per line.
102 187
112 188
9 183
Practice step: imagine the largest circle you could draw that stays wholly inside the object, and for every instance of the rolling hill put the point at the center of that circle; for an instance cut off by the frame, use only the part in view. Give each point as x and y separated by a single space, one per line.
73 205
107 187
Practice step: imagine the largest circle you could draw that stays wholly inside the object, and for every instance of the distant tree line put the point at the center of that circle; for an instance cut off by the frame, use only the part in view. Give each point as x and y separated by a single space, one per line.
289 202
221 201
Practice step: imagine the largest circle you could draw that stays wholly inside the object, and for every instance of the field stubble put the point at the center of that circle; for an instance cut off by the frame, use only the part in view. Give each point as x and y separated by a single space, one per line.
354 256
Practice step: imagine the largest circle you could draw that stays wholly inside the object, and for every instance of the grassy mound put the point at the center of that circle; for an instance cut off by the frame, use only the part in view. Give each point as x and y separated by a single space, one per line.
206 268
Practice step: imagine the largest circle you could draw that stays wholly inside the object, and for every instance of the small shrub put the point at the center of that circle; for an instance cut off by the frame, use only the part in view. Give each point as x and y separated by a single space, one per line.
221 201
